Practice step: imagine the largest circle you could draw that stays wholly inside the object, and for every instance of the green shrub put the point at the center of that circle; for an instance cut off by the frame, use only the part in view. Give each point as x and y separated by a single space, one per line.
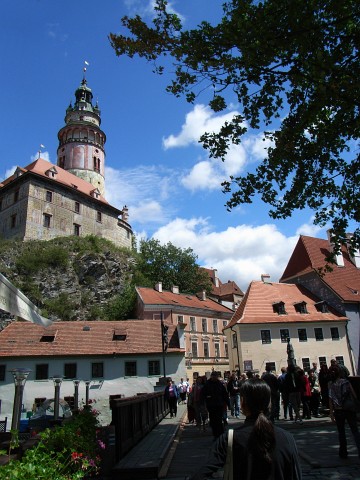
61 306
39 256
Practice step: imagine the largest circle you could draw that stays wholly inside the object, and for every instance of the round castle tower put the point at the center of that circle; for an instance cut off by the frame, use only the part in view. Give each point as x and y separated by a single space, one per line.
81 141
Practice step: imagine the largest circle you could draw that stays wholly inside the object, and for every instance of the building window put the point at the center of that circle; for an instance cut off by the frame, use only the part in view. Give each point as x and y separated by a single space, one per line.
334 333
192 324
180 319
217 349
271 365
215 326
77 207
279 308
284 335
97 370
42 371
13 221
301 308
234 340
226 349
322 307
76 230
70 370
302 335
98 217
154 367
49 196
306 364
61 162
130 369
340 360
204 325
206 350
2 372
46 220
225 323
97 164
194 349
322 361
319 336
16 196
265 336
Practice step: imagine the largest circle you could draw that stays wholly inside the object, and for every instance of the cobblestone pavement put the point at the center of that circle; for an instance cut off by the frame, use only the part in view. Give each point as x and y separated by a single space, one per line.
316 440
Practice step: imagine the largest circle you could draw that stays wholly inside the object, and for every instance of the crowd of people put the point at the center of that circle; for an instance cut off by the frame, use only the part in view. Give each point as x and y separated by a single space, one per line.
299 394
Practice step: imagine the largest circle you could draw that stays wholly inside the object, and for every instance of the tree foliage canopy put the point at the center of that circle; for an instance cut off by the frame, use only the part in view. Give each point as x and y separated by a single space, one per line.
172 265
294 69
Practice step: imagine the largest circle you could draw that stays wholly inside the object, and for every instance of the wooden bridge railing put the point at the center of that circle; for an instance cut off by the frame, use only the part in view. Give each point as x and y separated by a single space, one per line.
134 417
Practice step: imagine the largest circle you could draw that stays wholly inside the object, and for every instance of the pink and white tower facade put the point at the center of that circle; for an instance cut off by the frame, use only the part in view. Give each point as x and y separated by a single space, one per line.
81 141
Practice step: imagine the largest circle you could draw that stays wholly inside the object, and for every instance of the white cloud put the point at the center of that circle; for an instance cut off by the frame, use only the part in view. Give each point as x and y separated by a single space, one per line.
200 120
9 172
309 229
240 253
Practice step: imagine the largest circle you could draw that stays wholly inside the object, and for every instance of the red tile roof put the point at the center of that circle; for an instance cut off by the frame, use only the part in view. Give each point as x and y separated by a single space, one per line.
22 339
309 255
224 291
257 305
149 296
40 166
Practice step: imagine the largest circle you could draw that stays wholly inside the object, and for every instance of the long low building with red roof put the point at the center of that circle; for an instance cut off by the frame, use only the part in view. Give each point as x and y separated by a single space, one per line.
269 314
117 357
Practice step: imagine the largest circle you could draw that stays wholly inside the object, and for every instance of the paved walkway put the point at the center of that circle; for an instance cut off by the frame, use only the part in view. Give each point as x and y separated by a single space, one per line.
316 439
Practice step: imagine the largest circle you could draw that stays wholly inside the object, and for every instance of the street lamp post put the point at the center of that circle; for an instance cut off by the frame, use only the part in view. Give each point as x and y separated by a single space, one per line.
87 384
76 395
57 383
20 375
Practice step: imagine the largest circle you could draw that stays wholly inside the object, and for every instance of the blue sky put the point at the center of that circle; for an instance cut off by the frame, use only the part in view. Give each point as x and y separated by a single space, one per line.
154 163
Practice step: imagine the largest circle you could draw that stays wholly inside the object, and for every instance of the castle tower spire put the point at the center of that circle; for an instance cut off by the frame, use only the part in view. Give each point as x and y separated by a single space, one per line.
81 141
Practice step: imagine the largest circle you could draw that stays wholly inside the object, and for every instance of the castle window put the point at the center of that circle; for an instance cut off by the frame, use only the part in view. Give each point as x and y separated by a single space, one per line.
49 196
16 196
62 162
97 164
76 230
98 216
265 336
77 207
13 221
284 335
46 220
319 336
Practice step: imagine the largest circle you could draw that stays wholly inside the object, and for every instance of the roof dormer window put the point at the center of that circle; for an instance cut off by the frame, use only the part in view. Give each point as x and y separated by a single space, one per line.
300 307
279 308
47 338
322 307
51 173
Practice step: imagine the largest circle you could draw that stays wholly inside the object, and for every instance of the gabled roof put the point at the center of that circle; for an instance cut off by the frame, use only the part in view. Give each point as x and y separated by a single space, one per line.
149 296
309 255
23 339
257 305
224 291
41 166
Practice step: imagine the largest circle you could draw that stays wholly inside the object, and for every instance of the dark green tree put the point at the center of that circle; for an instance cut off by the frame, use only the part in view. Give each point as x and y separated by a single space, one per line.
293 66
172 265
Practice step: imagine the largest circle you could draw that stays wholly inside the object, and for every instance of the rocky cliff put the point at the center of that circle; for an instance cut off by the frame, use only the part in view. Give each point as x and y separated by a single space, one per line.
69 278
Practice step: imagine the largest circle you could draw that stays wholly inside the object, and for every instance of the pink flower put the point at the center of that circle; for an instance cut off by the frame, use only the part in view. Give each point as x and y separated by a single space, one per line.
101 444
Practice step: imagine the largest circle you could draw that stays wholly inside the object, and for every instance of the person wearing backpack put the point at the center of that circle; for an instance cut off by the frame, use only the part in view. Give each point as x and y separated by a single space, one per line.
340 390
257 450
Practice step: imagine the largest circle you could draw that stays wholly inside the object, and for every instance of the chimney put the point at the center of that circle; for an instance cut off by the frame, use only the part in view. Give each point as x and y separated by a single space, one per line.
265 277
175 289
203 295
339 259
158 287
354 253
216 278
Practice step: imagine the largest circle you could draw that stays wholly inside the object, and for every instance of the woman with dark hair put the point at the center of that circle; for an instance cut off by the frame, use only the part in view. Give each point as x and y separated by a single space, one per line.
261 451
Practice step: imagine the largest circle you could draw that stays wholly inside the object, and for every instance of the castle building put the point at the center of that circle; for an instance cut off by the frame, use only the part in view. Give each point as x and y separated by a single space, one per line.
43 201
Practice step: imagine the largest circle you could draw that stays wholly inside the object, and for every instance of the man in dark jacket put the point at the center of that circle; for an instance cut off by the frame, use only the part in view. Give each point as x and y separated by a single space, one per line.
272 381
216 399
